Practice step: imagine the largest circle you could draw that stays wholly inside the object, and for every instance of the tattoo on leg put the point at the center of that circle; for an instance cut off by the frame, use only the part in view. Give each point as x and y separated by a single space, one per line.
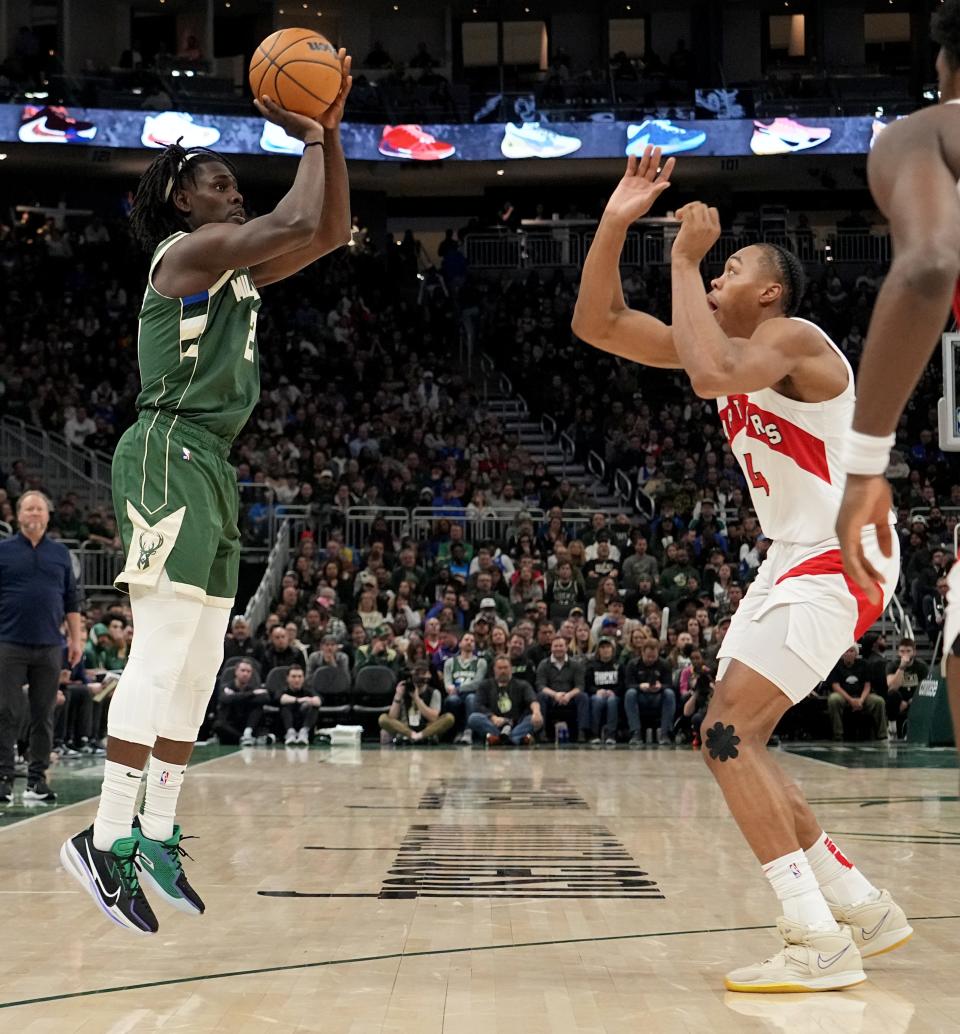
722 742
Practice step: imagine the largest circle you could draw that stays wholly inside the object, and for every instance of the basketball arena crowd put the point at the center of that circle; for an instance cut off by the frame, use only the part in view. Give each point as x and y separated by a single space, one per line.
517 611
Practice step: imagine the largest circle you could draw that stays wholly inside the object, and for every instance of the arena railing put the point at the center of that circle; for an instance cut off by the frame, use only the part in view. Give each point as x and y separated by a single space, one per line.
359 521
98 567
62 467
278 563
529 251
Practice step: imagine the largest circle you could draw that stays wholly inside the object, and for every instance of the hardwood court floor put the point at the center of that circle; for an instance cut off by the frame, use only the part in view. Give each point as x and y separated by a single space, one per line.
535 892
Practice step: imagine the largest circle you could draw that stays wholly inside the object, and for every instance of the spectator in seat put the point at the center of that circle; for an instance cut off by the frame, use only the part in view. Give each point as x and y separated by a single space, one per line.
299 709
279 652
935 608
904 676
649 693
506 707
378 652
638 564
488 612
540 650
414 715
408 571
603 684
328 656
850 688
560 690
602 566
329 621
565 590
612 621
605 590
675 577
238 641
239 706
78 426
484 589
462 673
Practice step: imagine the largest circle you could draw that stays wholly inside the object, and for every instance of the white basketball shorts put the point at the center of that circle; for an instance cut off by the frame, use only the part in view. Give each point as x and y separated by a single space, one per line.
951 624
802 612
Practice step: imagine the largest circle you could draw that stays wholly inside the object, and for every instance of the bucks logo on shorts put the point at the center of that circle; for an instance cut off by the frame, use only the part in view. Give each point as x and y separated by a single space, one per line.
149 542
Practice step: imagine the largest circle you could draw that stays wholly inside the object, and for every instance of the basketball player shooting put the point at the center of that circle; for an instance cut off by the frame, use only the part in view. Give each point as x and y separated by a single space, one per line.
913 172
785 397
174 491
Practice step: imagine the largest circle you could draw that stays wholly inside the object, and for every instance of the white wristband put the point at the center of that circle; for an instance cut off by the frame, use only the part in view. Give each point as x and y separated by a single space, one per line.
867 454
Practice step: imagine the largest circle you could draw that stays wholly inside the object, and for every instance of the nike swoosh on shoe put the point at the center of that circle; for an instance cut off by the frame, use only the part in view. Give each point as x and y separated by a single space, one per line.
827 963
108 899
868 935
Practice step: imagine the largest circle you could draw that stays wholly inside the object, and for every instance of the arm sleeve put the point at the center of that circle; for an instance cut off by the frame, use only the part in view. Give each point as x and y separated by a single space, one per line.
481 702
542 673
529 697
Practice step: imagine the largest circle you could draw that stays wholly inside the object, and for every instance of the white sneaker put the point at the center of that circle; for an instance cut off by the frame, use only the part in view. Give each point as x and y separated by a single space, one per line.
532 140
810 960
290 738
169 126
276 140
248 739
877 926
303 737
465 738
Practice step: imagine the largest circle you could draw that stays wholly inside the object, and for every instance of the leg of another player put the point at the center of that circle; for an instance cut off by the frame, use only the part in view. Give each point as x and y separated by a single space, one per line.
953 695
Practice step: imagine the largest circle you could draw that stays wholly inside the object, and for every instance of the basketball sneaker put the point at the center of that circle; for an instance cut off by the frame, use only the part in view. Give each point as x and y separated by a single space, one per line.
169 127
533 140
786 135
52 125
38 791
662 133
877 926
409 141
110 878
277 140
162 870
810 960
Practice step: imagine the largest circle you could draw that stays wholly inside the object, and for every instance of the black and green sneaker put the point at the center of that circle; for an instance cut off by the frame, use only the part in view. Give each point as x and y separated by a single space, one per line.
110 878
161 870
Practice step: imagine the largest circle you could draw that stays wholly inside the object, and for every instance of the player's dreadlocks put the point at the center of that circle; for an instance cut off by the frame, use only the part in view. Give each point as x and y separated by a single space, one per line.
945 30
154 216
789 271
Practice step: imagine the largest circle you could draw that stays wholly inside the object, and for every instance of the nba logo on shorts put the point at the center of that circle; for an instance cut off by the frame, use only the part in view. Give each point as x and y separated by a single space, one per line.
794 868
186 453
164 776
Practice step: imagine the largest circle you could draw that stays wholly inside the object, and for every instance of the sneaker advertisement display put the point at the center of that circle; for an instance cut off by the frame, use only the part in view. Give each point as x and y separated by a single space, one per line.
528 135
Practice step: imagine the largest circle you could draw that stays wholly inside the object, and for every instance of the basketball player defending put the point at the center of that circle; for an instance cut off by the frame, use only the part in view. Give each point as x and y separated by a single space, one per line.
913 172
785 396
175 492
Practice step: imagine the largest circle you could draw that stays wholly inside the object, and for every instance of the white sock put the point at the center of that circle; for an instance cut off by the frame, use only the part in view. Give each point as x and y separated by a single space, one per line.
840 880
795 885
118 801
160 802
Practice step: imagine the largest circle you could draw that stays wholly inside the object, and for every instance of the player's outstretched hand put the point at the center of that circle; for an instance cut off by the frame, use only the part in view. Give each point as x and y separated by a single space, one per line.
297 126
866 501
331 118
699 231
642 183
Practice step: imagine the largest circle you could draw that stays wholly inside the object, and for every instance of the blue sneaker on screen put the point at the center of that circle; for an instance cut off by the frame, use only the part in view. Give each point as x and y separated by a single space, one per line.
661 132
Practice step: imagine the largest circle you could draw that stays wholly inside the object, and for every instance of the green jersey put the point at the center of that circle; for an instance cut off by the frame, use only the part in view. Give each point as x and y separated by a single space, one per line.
197 354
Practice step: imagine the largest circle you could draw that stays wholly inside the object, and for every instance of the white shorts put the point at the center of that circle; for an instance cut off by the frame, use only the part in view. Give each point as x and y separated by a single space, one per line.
802 612
951 621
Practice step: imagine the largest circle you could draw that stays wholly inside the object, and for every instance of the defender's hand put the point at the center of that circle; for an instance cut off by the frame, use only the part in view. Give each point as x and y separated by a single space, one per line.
866 501
641 185
699 231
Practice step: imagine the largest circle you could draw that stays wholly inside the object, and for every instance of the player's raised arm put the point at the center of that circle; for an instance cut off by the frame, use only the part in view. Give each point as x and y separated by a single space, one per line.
722 352
202 197
601 317
334 229
916 190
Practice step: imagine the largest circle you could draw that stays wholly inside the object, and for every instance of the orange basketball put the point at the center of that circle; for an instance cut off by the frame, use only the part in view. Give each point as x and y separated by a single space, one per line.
299 69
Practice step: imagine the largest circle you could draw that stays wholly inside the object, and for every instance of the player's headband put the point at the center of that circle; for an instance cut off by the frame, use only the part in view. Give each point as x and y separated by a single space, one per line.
173 179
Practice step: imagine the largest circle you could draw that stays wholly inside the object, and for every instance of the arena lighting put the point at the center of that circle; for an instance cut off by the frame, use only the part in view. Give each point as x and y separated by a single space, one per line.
3 156
499 172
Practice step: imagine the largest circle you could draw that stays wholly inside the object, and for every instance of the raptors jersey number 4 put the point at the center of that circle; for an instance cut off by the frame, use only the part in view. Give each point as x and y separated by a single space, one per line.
789 452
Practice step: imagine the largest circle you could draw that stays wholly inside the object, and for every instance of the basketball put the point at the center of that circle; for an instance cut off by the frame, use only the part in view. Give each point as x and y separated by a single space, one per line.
299 69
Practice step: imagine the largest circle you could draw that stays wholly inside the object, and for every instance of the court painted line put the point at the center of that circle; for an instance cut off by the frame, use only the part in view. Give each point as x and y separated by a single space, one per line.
399 956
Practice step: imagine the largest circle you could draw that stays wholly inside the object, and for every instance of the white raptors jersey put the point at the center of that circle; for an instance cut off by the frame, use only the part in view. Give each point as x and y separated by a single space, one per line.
790 455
